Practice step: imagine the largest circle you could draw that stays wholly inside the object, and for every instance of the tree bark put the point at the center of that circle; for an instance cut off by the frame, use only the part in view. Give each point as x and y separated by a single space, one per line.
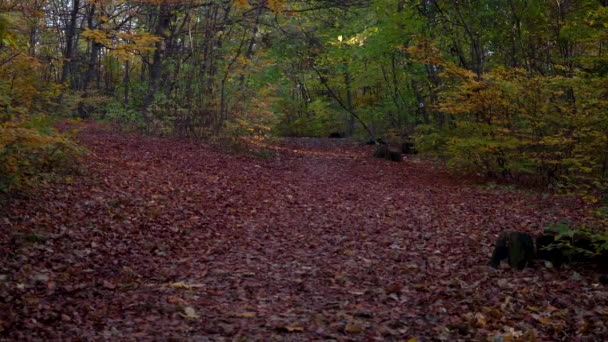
156 69
68 55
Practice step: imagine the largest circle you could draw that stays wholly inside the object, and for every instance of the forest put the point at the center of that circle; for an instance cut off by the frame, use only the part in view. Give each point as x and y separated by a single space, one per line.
204 169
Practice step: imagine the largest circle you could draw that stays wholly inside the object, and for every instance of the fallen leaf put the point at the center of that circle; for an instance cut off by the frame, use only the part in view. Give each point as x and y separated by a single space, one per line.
190 313
480 320
247 314
180 285
353 328
214 212
175 300
184 286
108 285
294 328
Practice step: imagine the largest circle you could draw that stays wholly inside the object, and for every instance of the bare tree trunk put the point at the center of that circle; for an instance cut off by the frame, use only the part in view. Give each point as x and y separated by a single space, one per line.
68 55
126 82
94 52
349 100
156 68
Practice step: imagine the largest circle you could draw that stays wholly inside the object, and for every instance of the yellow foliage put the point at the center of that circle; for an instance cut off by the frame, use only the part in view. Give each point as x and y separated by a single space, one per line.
241 3
28 155
276 5
123 45
511 123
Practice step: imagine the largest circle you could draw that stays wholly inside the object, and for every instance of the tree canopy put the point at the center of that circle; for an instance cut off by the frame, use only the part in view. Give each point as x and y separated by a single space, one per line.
511 88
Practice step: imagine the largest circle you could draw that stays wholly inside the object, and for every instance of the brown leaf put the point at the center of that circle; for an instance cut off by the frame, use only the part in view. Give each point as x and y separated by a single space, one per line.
175 300
189 313
292 328
247 314
108 285
353 328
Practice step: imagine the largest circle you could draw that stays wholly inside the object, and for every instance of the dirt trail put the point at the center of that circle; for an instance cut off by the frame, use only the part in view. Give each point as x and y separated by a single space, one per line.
162 238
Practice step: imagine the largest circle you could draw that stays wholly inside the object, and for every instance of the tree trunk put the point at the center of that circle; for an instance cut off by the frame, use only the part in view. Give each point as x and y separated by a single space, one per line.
93 53
68 54
156 69
349 100
126 82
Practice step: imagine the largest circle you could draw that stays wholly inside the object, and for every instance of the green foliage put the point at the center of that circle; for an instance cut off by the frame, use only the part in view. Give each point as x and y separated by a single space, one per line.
92 105
318 120
511 89
161 115
6 37
579 244
123 115
515 124
31 152
264 153
23 89
247 133
431 140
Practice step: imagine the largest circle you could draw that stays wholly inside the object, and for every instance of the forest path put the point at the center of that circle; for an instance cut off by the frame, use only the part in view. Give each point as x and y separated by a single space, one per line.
163 238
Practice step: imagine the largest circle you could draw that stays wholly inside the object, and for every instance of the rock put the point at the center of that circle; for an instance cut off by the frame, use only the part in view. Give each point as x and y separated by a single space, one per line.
515 247
388 153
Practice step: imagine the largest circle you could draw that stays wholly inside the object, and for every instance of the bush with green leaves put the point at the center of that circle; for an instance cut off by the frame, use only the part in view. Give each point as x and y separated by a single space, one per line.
318 118
123 115
580 244
32 151
514 124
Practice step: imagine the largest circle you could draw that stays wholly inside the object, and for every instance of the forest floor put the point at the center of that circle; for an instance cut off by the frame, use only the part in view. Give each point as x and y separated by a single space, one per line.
169 239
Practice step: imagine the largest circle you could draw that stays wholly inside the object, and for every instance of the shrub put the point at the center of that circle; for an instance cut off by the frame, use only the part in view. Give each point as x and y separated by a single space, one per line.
513 124
32 151
579 245
123 115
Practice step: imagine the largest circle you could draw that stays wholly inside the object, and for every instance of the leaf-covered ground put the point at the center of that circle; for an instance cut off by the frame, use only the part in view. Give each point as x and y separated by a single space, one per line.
162 238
